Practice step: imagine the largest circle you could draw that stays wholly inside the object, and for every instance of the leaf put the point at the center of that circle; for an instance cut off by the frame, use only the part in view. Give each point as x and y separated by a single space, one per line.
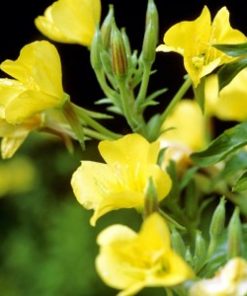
234 165
234 50
228 142
241 184
200 94
229 71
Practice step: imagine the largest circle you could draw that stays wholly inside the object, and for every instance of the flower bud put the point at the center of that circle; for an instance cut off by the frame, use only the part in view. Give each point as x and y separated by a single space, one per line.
119 57
177 242
151 199
200 251
151 33
95 51
234 235
216 226
218 220
106 28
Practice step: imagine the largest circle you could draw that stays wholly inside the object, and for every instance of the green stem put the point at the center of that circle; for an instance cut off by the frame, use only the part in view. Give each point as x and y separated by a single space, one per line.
94 124
171 220
178 96
109 92
127 101
144 85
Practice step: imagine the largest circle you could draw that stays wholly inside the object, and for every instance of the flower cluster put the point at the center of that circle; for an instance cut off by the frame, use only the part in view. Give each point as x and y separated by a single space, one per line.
170 167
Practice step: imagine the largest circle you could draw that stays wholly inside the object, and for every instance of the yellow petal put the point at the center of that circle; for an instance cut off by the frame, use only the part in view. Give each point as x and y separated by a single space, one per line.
189 36
222 32
38 68
70 21
9 90
10 145
97 186
27 104
130 149
154 234
231 102
176 271
188 123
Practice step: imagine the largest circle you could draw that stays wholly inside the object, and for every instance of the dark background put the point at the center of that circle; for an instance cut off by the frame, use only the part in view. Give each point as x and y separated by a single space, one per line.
17 29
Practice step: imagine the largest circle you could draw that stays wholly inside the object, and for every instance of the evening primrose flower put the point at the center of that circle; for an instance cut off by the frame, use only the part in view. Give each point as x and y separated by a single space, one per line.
70 21
37 83
194 40
14 135
130 261
230 103
184 132
122 181
231 280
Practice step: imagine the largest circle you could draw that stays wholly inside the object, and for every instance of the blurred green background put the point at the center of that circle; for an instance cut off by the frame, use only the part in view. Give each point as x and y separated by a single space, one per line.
47 246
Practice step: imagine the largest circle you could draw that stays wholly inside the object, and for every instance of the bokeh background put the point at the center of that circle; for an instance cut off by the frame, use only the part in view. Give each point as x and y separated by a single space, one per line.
47 247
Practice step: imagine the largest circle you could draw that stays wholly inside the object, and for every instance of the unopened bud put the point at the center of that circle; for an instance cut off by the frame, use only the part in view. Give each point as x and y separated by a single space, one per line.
177 242
218 220
234 235
95 51
151 199
151 33
200 251
126 42
217 226
106 28
119 57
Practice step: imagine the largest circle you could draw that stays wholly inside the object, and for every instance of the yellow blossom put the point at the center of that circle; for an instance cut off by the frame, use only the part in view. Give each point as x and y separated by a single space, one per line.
194 40
122 181
37 83
70 21
14 135
231 102
130 261
231 280
184 132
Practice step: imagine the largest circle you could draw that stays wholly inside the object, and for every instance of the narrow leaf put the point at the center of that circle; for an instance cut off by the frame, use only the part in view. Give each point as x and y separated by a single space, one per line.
221 147
234 50
241 184
229 71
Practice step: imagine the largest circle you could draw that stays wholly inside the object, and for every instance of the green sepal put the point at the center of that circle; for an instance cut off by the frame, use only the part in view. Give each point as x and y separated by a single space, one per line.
73 119
153 127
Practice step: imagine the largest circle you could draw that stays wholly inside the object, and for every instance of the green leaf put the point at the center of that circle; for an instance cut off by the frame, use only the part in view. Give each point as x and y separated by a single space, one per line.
228 142
234 50
229 71
200 93
234 165
241 184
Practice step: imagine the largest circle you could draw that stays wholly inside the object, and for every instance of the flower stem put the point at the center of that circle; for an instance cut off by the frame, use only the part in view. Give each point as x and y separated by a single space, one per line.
94 124
144 85
178 96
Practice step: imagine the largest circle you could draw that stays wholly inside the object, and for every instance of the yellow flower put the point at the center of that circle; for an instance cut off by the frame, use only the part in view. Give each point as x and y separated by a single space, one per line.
231 102
14 135
70 21
194 40
37 83
131 261
184 132
122 181
231 280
